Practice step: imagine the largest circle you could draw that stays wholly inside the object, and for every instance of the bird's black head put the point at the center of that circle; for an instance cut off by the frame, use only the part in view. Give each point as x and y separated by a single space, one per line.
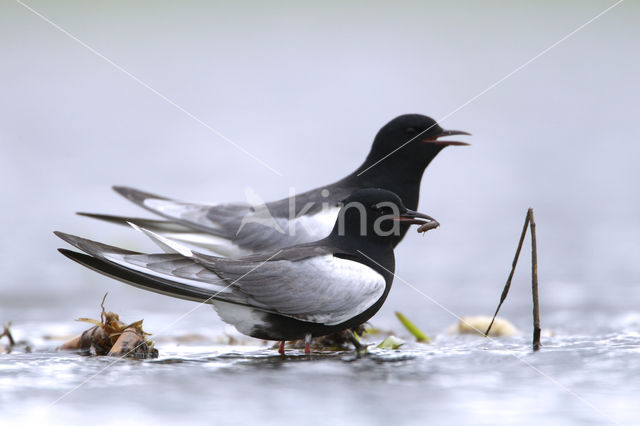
374 215
409 142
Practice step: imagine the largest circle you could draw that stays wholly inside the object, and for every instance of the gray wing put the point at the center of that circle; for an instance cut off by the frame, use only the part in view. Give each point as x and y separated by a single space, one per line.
321 289
224 221
238 229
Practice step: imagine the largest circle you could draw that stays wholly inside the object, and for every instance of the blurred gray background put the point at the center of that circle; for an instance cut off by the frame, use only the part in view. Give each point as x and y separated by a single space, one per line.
305 88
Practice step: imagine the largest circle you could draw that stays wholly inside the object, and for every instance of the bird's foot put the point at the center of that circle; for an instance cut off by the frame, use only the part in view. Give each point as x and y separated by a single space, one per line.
281 348
307 344
355 340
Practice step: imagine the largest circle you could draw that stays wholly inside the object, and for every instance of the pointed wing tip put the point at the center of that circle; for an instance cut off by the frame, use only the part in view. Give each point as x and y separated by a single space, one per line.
70 239
93 215
136 227
74 255
62 235
67 252
118 220
126 192
163 242
91 247
136 195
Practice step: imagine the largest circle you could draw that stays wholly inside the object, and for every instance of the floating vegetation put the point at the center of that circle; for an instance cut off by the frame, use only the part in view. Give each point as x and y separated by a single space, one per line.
478 324
391 342
412 328
110 336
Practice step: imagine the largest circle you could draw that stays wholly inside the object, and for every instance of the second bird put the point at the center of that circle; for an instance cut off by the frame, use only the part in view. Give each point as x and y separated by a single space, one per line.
400 153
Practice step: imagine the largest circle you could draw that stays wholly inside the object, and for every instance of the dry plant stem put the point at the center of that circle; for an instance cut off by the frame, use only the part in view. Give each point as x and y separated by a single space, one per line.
534 282
507 285
7 332
529 221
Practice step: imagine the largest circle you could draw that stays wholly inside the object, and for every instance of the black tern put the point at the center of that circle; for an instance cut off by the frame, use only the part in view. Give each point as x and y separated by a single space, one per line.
307 290
401 151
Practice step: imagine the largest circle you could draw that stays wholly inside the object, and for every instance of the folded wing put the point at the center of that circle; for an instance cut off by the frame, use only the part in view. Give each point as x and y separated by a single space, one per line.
306 284
232 229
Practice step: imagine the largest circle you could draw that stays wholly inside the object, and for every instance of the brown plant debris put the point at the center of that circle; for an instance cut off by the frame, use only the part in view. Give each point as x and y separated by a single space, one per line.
110 336
13 345
7 333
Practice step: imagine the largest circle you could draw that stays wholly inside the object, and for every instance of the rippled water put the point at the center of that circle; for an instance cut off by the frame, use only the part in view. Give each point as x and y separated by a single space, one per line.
574 379
304 89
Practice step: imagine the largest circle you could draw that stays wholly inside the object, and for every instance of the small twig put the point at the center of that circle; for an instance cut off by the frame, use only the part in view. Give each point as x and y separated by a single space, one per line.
102 314
507 285
534 282
7 333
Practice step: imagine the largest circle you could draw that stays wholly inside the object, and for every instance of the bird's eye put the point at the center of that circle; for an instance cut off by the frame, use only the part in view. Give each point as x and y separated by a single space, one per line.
385 210
410 130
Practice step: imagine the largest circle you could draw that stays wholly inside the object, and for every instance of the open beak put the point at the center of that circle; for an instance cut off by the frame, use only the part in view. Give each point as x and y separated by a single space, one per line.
444 133
415 218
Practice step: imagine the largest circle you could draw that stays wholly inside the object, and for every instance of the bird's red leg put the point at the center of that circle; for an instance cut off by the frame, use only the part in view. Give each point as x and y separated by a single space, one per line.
281 348
307 344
